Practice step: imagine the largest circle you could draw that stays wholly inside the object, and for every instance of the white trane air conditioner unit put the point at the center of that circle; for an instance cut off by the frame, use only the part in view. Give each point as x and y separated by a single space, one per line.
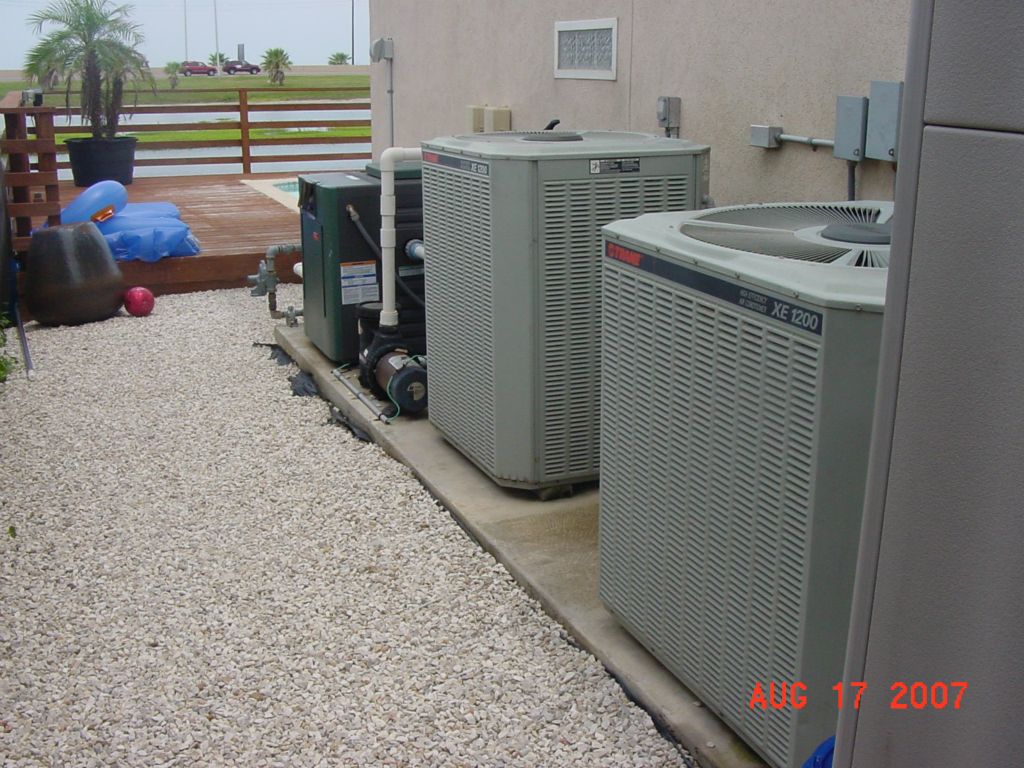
512 223
739 355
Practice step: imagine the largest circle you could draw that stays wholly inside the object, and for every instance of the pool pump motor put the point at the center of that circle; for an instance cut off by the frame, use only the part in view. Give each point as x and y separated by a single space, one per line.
391 372
388 364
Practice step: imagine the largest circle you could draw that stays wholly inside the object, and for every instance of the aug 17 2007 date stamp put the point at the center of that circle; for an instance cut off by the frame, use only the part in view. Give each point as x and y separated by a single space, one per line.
912 695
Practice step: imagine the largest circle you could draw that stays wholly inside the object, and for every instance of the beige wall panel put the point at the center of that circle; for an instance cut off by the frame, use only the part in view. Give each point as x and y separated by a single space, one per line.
733 62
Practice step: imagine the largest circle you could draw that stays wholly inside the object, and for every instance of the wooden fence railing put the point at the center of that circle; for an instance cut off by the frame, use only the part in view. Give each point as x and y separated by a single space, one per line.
29 142
31 187
240 115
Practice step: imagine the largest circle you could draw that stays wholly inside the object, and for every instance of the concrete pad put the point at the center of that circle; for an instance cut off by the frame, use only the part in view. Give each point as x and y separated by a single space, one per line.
549 547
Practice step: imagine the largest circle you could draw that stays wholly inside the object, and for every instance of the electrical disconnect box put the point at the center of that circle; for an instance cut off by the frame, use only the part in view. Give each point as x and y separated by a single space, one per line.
670 114
340 269
382 49
765 136
851 124
883 123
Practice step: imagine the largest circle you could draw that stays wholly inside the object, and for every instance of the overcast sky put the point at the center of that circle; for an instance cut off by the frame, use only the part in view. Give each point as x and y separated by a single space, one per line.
309 30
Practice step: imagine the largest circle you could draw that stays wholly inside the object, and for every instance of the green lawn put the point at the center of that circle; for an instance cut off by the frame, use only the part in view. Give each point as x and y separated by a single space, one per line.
197 89
212 134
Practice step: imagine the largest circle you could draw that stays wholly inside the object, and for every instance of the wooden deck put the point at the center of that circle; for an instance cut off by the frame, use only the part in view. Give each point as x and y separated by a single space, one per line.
234 223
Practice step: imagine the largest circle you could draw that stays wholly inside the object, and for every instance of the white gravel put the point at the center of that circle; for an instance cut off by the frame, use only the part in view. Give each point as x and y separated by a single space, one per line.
204 572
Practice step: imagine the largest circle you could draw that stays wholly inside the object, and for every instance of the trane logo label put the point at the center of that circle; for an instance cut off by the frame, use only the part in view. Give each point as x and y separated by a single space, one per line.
750 299
626 256
458 163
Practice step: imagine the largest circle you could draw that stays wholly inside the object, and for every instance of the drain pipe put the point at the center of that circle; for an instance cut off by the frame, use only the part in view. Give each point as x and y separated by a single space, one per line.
388 205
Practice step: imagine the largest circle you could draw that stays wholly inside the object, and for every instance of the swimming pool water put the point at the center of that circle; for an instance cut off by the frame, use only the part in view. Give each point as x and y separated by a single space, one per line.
291 187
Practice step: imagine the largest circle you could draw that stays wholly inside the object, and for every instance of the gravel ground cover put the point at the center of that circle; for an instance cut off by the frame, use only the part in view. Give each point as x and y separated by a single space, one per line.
203 571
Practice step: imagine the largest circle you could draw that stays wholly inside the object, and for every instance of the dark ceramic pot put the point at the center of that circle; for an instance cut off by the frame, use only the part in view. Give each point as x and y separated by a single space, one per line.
95 160
71 276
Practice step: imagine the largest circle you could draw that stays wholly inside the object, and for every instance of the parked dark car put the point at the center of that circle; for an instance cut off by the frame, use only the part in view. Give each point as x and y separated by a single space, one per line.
240 66
196 68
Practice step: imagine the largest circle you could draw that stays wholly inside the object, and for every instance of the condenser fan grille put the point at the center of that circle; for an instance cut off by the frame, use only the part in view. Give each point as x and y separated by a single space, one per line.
872 259
771 230
784 245
503 136
792 217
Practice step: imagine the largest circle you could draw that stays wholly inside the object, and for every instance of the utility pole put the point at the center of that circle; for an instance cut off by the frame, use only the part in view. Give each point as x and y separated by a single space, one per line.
352 60
216 39
184 5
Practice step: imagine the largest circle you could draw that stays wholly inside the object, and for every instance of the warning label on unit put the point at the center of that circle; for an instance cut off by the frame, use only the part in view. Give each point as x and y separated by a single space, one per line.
616 165
359 282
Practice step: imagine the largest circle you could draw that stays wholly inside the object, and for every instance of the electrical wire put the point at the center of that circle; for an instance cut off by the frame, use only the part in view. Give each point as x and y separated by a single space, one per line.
398 408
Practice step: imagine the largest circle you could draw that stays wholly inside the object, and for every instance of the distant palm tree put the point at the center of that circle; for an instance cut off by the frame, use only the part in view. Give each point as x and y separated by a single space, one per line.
171 70
338 58
275 62
216 59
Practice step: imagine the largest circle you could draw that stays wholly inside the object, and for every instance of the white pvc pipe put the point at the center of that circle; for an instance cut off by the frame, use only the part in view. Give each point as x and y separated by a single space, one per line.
388 204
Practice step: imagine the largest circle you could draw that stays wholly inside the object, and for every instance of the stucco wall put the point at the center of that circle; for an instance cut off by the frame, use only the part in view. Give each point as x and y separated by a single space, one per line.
733 62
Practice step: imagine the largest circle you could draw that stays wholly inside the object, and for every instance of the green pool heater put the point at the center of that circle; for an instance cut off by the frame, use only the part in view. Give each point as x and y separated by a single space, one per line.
341 258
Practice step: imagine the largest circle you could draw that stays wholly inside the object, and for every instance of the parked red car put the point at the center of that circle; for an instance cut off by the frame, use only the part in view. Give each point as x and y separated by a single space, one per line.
196 68
240 66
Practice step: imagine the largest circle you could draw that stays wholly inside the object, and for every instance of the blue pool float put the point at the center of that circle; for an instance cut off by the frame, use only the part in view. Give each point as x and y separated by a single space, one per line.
134 231
151 210
100 201
142 238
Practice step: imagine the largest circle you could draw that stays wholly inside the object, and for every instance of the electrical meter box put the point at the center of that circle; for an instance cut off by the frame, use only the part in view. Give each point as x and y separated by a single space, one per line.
340 270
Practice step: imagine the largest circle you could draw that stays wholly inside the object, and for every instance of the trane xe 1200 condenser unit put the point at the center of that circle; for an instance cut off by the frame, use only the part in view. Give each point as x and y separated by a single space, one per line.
739 356
512 224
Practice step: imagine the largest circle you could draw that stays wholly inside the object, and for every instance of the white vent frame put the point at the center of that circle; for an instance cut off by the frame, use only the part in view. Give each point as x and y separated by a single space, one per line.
588 74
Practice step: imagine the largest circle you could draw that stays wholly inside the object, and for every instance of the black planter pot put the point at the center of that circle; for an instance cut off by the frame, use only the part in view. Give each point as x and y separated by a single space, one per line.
95 160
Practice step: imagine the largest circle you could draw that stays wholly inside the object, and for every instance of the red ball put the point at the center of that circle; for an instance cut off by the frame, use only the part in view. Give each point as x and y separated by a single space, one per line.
139 301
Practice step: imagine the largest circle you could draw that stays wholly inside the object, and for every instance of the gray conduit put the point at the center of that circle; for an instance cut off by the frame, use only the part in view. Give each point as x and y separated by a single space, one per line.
338 373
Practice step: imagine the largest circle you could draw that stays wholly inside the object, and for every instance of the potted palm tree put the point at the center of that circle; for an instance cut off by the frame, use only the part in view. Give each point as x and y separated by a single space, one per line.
94 43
